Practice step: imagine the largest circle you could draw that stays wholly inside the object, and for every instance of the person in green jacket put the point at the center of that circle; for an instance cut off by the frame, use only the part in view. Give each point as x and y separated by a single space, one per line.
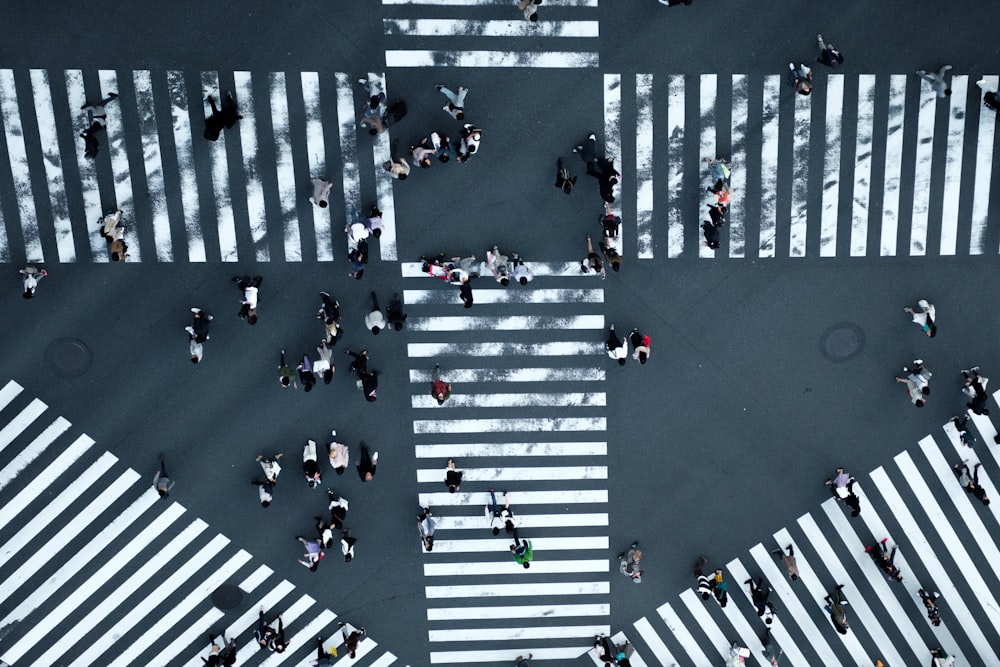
522 552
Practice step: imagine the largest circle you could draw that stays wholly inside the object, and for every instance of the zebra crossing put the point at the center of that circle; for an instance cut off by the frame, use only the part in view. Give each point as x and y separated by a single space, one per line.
889 186
490 33
244 197
946 544
527 415
99 570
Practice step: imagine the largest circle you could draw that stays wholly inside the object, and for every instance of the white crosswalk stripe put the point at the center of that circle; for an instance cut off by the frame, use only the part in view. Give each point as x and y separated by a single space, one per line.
943 545
90 544
468 33
549 436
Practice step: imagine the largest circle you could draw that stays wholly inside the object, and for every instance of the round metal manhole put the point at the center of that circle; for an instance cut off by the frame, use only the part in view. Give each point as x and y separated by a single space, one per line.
842 342
227 596
69 357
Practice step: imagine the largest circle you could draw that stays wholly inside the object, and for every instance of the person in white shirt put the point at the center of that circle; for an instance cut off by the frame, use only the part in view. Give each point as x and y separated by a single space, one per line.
250 288
617 347
375 319
321 192
425 526
522 274
498 266
323 366
356 233
926 318
32 275
271 467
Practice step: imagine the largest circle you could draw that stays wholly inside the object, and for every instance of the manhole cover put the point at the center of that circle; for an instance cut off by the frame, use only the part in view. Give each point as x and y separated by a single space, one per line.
69 357
842 342
227 596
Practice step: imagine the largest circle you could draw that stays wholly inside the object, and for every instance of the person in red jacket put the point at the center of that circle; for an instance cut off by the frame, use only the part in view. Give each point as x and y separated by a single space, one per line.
440 389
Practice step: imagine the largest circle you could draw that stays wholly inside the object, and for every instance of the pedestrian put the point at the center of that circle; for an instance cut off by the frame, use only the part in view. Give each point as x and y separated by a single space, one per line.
971 483
339 454
704 587
720 589
975 388
609 248
452 477
310 465
271 467
286 376
397 168
937 81
368 382
919 375
263 632
604 649
961 424
356 233
228 116
250 287
375 320
372 118
940 658
359 259
351 638
737 655
628 563
368 463
530 9
884 559
522 552
640 346
840 485
913 391
228 654
306 376
522 274
360 362
324 367
199 326
329 313
278 643
592 263
588 153
347 545
759 592
321 192
440 389
835 606
711 233
469 146
338 507
926 318
800 79
829 56
313 555
394 313
456 101
498 516
161 481
374 221
771 653
607 178
929 599
617 347
325 529
719 175
442 147
564 179
788 560
32 275
97 120
113 231
425 525
422 152
265 490
465 292
520 661
214 658
498 265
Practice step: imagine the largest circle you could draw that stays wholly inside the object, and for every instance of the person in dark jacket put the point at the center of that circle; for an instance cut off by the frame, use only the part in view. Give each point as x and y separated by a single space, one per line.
366 466
884 559
835 605
971 483
394 313
225 118
828 56
465 292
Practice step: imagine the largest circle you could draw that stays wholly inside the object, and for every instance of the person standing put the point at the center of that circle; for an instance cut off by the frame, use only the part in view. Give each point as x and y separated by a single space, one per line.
788 560
800 78
306 376
375 320
456 101
617 347
937 81
286 376
339 454
395 313
440 389
522 552
975 388
835 606
368 463
913 391
971 483
161 481
926 318
32 275
628 563
640 346
592 263
324 363
425 525
452 477
321 192
465 292
828 55
250 287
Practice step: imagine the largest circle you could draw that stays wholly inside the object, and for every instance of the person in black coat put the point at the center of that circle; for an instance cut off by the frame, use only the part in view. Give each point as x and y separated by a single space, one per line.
465 292
221 119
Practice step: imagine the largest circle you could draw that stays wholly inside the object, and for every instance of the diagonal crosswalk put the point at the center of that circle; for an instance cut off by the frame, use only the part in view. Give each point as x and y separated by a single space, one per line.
97 569
946 544
526 415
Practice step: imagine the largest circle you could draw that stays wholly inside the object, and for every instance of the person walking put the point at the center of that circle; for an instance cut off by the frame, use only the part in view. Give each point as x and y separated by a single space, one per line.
263 632
719 174
940 658
840 484
835 606
31 275
617 347
800 78
425 526
422 152
971 482
352 636
759 593
338 507
199 326
920 375
522 274
228 654
961 424
456 101
452 477
913 391
214 658
929 598
530 9
828 55
374 221
640 346
521 661
278 643
375 320
329 312
788 560
368 463
975 388
937 81
498 516
97 120
497 263
926 318
250 287
347 545
313 555
271 467
310 465
884 559
359 260
592 263
440 389
324 367
704 587
720 589
588 153
321 192
564 179
113 231
713 239
225 118
397 168
522 552
339 454
161 481
286 376
628 563
394 313
306 376
368 381
471 138
771 652
465 292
